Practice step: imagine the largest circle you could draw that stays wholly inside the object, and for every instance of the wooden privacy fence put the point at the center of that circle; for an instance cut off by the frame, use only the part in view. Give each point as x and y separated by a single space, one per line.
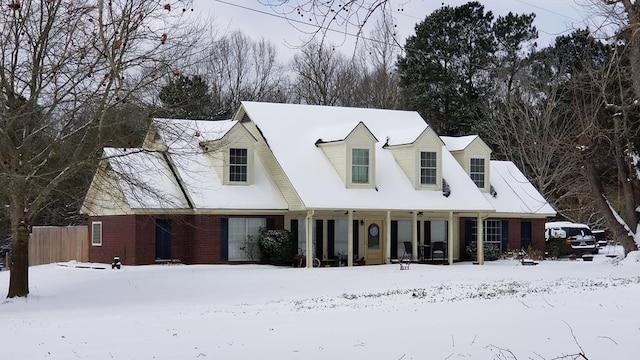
49 244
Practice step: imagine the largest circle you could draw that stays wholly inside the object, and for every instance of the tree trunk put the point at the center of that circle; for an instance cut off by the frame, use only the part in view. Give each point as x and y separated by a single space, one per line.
19 280
620 233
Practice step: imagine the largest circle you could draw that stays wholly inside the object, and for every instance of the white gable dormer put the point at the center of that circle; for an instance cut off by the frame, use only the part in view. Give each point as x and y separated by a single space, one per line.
233 155
153 139
473 155
420 159
352 155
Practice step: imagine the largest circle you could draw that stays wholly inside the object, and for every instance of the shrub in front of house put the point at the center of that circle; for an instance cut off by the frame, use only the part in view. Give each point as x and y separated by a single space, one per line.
491 251
557 247
276 246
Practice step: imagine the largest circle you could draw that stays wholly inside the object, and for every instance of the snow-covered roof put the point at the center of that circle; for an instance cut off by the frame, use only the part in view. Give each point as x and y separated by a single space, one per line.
514 192
291 131
202 183
459 142
145 179
185 176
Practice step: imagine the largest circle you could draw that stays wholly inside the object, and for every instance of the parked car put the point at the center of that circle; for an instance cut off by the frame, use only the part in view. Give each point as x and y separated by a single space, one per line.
601 237
578 236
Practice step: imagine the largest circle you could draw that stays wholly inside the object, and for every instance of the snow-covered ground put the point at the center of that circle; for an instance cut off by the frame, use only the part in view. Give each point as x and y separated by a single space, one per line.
501 310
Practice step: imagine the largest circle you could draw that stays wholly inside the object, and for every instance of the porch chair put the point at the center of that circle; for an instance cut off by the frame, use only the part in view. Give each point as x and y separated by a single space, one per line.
438 250
406 256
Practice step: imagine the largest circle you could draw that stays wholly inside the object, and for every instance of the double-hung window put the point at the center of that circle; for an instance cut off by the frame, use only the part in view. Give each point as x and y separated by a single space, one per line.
476 171
428 167
238 163
96 233
360 166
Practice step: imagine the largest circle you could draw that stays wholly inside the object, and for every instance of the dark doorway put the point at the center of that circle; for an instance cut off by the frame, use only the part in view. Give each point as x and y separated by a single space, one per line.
525 235
163 239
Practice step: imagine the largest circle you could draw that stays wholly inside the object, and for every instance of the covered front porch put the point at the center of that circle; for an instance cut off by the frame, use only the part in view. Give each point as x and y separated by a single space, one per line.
352 237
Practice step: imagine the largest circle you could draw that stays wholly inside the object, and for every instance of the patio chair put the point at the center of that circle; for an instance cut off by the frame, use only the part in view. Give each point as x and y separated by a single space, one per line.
438 250
406 256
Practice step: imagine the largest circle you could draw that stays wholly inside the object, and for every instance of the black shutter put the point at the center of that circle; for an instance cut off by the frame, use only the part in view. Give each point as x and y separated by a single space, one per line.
224 239
319 242
525 234
505 235
394 239
294 233
271 224
356 231
427 233
331 239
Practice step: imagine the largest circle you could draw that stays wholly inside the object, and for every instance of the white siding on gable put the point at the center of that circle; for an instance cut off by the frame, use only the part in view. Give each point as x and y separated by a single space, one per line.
360 138
238 138
336 153
477 150
408 157
405 156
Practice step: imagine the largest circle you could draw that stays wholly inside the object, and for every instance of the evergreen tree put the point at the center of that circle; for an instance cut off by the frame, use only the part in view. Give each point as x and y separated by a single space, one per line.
444 74
186 97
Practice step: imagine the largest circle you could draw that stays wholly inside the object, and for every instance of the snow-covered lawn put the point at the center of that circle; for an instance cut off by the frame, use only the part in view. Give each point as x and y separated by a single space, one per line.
373 312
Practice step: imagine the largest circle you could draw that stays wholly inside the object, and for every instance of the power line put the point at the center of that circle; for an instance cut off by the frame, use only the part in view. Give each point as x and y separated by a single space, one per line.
320 28
547 10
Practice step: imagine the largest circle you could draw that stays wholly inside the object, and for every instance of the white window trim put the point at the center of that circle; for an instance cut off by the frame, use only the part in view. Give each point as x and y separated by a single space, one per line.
418 164
371 183
484 171
227 166
93 223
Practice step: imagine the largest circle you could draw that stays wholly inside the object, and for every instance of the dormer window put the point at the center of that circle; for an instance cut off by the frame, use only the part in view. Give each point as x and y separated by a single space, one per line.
476 171
238 165
360 166
428 167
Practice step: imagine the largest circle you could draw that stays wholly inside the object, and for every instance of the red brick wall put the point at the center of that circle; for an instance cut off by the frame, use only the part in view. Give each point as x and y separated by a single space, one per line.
537 234
206 239
515 232
118 239
145 239
195 239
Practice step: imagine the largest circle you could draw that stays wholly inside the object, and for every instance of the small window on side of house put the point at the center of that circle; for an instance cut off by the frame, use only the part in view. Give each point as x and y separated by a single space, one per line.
428 167
238 165
96 233
360 166
476 171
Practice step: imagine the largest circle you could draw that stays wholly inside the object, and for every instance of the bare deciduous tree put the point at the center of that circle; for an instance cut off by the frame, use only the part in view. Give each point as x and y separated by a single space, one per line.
65 67
240 69
323 76
380 86
317 18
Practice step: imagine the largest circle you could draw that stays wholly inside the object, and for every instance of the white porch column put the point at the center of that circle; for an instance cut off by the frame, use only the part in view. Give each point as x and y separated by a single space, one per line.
480 239
450 238
350 238
387 235
309 239
414 238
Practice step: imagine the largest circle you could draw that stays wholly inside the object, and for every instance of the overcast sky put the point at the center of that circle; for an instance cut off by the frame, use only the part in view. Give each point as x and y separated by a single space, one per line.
553 18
